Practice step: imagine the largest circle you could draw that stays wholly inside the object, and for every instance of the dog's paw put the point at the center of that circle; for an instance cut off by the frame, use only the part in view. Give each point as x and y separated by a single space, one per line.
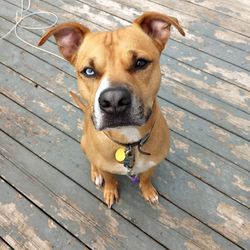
149 193
110 194
96 177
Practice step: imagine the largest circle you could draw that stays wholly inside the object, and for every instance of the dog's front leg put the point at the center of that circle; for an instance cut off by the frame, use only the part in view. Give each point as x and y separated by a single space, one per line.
96 176
148 191
110 190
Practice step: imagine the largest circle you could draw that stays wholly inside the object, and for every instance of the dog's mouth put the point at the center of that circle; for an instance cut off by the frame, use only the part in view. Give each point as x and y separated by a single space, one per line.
130 118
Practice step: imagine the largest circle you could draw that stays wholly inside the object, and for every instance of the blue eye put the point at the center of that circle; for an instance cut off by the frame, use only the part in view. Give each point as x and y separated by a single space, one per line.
89 72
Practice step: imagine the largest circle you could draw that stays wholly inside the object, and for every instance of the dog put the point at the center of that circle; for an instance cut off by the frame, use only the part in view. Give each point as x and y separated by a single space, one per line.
118 75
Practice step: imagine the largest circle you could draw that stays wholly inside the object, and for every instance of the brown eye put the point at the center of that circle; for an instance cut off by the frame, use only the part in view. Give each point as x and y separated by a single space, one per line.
141 64
88 72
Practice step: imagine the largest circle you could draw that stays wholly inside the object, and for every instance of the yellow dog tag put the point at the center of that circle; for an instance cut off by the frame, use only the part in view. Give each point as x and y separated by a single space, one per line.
120 154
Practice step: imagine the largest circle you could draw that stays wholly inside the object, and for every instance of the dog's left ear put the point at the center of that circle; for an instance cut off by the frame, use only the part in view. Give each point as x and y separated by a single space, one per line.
157 26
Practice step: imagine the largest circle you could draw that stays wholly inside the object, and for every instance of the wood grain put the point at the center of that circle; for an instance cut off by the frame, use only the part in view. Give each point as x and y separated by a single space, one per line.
165 219
47 199
24 226
200 162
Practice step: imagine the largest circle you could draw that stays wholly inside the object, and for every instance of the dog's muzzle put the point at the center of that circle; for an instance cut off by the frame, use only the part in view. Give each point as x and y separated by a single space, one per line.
117 107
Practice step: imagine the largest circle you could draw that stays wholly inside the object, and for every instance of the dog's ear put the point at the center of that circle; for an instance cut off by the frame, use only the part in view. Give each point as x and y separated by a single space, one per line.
157 26
69 37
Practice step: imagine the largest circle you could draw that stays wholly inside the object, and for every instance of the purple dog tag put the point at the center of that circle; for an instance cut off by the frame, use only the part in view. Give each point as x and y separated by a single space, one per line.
134 179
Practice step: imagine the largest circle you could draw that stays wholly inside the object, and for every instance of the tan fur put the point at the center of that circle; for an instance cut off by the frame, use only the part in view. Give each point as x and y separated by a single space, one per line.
112 54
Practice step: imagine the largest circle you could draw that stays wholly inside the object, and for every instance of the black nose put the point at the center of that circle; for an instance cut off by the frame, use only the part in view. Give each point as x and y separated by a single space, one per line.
115 100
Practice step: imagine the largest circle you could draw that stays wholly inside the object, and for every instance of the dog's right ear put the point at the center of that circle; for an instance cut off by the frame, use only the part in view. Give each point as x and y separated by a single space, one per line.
69 37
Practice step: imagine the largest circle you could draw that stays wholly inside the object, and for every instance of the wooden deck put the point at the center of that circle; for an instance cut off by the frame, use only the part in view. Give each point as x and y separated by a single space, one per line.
47 200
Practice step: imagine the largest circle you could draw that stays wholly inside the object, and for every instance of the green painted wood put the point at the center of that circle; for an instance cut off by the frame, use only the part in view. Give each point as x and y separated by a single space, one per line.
167 223
239 10
203 164
214 17
130 10
24 226
222 208
206 63
211 136
233 120
208 135
77 210
205 83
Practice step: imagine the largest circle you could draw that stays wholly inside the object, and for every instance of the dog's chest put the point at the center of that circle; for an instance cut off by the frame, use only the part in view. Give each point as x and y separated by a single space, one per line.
140 165
142 162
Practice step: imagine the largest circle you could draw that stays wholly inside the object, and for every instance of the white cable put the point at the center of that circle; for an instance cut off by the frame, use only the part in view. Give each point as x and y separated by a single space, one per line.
20 17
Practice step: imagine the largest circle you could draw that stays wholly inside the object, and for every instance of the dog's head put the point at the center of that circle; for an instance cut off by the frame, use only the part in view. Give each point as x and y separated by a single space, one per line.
118 71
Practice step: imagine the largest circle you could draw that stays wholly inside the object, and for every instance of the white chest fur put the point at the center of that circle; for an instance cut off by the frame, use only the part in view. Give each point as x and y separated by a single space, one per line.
141 165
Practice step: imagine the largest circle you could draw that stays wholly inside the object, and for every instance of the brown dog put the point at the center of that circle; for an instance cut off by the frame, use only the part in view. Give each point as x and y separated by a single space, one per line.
119 76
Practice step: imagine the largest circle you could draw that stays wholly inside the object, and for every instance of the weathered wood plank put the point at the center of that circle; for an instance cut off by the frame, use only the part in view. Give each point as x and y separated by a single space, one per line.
228 211
200 28
216 139
223 175
133 9
223 20
23 226
3 245
173 227
206 83
77 210
210 136
216 210
206 63
230 119
237 9
130 10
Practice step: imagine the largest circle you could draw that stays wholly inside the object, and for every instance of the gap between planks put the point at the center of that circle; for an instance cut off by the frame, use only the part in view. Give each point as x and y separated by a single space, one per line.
12 186
4 245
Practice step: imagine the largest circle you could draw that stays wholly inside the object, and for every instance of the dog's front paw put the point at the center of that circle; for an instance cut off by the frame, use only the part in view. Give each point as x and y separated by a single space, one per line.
110 193
149 193
96 176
